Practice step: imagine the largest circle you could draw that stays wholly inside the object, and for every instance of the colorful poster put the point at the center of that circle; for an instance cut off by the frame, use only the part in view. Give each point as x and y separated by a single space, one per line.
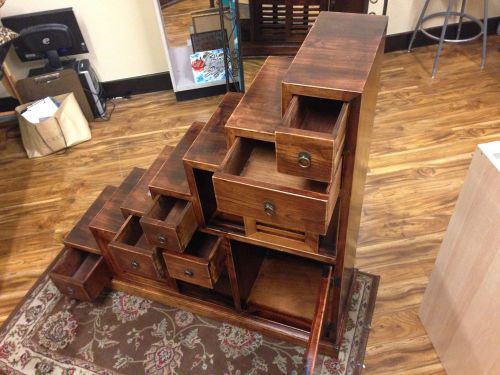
208 66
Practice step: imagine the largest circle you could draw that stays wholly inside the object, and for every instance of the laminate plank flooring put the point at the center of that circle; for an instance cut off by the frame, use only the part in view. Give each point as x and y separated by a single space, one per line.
424 135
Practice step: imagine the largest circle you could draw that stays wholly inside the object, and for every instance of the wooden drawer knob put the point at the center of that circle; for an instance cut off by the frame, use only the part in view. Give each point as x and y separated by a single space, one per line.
304 159
269 208
189 273
162 240
134 264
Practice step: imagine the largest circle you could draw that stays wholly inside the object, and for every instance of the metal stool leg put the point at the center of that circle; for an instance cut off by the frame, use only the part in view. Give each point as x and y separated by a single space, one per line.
441 39
485 34
462 11
419 23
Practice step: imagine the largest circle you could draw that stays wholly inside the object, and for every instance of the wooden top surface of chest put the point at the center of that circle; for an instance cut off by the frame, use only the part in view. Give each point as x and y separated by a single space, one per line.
259 111
337 56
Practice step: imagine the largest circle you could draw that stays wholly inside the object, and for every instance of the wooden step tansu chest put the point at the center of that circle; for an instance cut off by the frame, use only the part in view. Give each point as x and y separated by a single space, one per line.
253 217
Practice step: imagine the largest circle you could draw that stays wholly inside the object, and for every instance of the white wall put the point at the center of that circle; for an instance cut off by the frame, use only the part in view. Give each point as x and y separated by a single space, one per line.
124 37
403 14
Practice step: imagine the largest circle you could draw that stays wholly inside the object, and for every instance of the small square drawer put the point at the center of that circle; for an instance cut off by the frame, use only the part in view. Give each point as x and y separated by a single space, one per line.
131 252
169 223
80 275
248 184
311 140
200 264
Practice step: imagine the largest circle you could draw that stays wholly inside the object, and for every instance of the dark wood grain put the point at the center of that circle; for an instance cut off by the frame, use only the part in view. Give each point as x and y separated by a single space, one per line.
258 113
169 223
209 148
80 237
336 57
318 321
80 275
171 178
139 199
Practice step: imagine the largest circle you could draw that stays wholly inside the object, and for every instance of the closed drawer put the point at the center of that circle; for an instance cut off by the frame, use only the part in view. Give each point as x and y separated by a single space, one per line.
132 254
200 264
311 140
80 275
249 185
169 223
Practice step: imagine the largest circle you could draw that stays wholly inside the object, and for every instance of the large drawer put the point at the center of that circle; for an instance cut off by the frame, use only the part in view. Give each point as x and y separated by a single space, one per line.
200 264
169 223
311 140
248 184
80 275
132 254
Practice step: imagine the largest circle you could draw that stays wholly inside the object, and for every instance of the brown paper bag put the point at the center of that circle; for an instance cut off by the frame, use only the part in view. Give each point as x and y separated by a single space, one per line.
66 128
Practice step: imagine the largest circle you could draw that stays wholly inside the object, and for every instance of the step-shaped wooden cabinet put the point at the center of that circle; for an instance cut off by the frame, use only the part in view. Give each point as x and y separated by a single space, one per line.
253 217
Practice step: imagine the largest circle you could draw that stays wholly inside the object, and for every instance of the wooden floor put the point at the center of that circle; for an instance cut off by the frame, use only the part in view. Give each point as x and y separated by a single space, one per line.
424 136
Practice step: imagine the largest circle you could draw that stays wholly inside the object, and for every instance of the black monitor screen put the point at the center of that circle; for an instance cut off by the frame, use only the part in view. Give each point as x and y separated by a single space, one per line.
44 32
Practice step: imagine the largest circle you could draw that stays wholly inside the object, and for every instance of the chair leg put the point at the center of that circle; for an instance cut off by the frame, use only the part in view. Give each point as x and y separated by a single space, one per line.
419 23
462 11
441 39
485 34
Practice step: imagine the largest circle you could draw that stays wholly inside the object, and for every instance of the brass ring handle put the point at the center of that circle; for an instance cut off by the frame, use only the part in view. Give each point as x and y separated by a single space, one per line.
189 273
70 290
134 264
162 240
269 208
304 159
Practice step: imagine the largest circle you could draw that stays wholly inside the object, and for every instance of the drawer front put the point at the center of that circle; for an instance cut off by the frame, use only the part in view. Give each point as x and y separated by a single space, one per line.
80 275
281 208
194 270
162 236
173 233
136 261
310 154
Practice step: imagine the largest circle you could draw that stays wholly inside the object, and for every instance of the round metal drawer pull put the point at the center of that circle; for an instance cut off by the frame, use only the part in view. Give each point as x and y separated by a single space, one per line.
304 159
70 290
134 264
269 208
189 273
162 240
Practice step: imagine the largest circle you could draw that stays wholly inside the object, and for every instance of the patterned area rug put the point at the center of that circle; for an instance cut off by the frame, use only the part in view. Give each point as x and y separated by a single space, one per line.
50 333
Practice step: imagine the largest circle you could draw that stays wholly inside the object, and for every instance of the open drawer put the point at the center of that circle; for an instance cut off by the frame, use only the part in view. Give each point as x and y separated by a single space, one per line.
169 223
248 184
80 275
200 264
311 140
132 253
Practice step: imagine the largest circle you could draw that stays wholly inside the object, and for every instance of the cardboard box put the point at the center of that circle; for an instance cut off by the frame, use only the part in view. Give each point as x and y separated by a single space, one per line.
66 128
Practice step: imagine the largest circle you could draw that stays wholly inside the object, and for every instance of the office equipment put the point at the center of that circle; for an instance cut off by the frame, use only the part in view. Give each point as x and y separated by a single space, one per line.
47 35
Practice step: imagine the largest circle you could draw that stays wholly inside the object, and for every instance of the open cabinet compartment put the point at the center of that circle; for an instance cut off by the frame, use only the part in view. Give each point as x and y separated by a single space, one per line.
169 223
248 184
132 253
310 142
277 286
80 275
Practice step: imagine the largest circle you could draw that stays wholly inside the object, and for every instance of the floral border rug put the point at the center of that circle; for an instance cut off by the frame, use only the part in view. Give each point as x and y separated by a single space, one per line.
118 333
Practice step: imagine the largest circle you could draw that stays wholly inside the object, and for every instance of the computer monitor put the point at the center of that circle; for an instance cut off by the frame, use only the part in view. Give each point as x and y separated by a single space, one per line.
47 35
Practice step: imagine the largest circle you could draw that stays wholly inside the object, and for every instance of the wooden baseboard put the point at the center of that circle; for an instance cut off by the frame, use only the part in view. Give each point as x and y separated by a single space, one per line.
137 85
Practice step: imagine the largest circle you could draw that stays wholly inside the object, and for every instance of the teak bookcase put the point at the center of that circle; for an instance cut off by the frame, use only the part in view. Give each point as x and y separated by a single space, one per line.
253 217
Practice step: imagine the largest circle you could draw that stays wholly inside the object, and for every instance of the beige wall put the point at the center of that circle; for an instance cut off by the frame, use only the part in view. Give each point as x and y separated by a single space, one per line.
403 14
124 37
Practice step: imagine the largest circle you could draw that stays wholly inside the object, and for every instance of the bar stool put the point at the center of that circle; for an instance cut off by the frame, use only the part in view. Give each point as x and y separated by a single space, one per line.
483 25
